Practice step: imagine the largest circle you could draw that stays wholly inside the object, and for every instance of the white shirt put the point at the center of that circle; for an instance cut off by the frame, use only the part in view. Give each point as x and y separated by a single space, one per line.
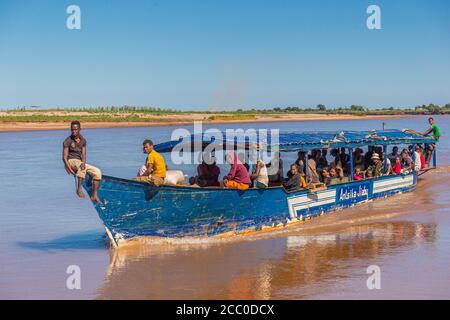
388 166
417 162
263 177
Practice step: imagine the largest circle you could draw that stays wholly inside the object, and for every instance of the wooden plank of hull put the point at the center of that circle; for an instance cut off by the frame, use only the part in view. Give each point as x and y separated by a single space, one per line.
133 209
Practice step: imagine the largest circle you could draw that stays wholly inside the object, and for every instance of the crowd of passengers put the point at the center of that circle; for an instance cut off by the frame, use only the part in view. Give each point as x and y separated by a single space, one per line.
315 167
312 167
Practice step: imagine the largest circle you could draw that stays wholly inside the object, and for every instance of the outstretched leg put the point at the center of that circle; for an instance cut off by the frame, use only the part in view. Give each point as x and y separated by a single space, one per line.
96 175
80 187
95 186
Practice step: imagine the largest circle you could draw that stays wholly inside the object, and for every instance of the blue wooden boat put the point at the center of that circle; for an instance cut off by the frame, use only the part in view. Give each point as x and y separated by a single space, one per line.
134 209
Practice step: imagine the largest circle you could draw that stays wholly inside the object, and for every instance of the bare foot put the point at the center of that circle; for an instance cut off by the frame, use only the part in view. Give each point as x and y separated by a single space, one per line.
80 194
96 199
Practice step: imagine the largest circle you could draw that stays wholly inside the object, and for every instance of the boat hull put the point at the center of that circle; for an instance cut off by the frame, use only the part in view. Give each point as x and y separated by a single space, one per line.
134 209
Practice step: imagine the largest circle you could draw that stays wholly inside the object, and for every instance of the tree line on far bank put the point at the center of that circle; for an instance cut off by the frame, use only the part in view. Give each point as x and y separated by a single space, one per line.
319 109
357 110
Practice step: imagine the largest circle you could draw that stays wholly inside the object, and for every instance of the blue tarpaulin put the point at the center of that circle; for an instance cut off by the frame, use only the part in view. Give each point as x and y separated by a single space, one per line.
294 141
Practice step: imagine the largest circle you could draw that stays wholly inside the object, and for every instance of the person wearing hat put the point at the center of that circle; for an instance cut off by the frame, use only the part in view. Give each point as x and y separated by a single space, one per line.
377 166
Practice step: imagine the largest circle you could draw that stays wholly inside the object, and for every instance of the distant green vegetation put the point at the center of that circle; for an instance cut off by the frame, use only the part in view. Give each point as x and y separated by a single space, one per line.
233 117
87 118
153 114
319 109
111 109
354 110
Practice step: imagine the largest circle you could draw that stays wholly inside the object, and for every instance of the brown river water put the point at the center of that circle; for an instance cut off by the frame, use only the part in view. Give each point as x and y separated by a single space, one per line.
45 229
324 258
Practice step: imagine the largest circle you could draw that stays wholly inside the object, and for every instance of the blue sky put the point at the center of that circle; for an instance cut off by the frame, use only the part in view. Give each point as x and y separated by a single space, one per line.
224 54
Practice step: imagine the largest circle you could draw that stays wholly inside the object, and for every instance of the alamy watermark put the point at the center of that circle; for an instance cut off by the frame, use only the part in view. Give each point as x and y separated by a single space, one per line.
73 21
374 280
73 281
374 20
214 146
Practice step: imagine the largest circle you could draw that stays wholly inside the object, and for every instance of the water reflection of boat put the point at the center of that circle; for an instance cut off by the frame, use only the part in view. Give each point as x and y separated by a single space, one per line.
265 268
134 209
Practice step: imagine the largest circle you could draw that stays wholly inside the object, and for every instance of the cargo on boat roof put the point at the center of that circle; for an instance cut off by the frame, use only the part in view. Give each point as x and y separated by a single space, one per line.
294 141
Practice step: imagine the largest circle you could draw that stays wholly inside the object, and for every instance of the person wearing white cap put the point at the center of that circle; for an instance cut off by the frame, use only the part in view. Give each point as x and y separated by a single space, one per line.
377 166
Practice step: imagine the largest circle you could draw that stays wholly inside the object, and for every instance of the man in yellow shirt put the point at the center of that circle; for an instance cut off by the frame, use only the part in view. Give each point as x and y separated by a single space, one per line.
156 166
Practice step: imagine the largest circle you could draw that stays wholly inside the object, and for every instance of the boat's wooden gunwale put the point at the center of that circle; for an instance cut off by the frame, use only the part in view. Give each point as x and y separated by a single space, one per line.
221 189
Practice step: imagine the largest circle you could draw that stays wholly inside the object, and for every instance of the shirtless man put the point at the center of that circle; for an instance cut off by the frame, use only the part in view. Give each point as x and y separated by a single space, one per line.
74 158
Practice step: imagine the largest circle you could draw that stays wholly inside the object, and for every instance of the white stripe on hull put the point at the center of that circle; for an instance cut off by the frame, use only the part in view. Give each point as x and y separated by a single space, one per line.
394 183
306 201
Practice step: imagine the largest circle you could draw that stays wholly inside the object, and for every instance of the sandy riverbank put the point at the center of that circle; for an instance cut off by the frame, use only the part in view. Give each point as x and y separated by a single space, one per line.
159 120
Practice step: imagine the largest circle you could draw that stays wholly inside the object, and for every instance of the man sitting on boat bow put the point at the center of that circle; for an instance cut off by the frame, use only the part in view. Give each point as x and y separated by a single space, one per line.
74 158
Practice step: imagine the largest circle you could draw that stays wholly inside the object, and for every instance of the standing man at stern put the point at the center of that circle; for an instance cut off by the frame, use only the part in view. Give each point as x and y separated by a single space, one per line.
74 158
436 133
434 129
